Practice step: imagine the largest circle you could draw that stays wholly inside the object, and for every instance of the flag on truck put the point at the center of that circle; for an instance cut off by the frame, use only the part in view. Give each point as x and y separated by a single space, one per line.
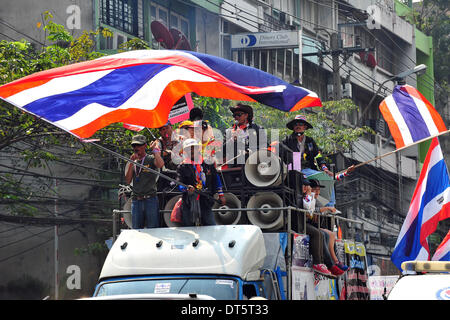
410 116
140 87
442 252
429 205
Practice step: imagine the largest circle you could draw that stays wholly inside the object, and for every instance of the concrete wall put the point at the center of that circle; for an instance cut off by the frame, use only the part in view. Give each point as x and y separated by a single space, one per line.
28 266
20 18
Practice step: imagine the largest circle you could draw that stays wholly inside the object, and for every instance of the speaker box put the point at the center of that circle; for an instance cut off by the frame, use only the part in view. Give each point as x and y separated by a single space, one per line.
232 178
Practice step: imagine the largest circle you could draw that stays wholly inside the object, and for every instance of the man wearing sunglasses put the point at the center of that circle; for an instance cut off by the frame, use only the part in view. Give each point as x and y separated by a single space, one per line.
144 206
243 137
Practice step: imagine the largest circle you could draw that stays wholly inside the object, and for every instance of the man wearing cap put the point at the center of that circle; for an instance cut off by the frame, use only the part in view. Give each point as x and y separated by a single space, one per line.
144 206
200 176
186 130
243 136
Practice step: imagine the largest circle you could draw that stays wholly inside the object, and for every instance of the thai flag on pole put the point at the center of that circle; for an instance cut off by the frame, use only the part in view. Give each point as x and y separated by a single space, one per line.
443 251
429 205
140 87
410 116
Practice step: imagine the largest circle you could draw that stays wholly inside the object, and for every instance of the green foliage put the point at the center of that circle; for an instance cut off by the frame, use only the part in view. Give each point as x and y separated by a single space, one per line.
329 135
95 248
19 59
432 18
134 44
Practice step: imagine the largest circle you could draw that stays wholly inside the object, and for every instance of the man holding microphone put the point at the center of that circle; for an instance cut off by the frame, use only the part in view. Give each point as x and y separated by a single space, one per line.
144 206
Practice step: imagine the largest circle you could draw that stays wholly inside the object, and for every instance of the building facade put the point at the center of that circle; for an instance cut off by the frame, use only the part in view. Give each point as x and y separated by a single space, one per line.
335 48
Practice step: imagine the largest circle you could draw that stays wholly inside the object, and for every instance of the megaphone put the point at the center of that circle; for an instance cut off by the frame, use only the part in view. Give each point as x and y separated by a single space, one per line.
169 206
127 215
228 217
263 169
266 218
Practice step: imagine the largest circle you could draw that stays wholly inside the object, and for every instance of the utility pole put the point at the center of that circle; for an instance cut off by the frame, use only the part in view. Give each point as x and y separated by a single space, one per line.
335 52
56 253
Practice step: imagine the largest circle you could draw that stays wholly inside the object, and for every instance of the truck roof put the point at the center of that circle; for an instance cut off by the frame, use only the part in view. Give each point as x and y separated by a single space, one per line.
236 250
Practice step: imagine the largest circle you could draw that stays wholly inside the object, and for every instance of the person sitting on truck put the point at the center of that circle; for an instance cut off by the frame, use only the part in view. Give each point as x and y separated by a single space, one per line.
198 176
335 266
144 205
316 242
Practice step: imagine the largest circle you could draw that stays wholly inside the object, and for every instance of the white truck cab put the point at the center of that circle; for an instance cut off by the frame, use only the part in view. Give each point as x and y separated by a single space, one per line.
424 280
220 262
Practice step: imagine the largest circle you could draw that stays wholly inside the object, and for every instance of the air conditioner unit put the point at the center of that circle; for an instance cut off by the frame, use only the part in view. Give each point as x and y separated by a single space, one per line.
330 95
347 90
294 21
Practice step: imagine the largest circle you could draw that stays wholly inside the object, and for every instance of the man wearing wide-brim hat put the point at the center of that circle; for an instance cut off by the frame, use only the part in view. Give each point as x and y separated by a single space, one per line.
299 142
311 159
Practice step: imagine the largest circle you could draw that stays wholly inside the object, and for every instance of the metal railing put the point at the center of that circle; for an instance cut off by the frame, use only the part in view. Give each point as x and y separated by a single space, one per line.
287 215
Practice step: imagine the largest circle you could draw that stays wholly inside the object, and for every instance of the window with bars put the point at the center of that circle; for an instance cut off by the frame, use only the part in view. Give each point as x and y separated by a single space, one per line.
120 14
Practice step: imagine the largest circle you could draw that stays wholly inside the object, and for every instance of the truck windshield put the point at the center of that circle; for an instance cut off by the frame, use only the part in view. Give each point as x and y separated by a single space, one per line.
220 289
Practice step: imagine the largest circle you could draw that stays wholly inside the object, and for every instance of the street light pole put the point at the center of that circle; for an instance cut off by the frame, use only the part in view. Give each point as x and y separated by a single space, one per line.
400 78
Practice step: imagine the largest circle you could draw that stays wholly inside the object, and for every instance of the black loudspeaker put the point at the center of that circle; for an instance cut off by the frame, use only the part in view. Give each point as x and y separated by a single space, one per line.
232 178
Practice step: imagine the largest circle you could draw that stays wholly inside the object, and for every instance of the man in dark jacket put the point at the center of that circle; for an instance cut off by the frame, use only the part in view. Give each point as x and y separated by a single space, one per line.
311 158
200 176
299 142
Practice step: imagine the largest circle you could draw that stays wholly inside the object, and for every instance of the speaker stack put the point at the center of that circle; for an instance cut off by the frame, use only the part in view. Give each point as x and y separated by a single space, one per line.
260 184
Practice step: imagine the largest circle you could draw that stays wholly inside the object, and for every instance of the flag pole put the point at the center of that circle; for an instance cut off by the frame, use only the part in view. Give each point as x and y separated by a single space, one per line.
396 150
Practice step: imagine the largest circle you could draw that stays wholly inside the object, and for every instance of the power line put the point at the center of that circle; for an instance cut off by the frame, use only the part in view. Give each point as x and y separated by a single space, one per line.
20 32
28 237
34 247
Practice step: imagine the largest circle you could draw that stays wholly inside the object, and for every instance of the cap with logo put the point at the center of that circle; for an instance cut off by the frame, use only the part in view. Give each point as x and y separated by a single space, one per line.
139 139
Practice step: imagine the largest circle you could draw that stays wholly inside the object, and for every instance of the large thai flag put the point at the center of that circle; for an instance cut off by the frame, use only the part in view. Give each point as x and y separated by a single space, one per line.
429 205
410 116
140 87
442 252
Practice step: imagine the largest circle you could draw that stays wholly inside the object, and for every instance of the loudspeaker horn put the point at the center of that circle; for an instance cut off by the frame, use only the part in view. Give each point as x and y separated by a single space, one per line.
263 169
169 206
266 218
228 217
127 215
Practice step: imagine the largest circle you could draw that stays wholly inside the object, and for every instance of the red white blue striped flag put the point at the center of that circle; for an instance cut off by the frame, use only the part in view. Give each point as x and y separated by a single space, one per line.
410 116
429 205
442 252
140 87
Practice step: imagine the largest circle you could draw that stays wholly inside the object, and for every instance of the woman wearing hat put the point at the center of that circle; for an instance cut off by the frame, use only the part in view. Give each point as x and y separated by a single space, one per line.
200 176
